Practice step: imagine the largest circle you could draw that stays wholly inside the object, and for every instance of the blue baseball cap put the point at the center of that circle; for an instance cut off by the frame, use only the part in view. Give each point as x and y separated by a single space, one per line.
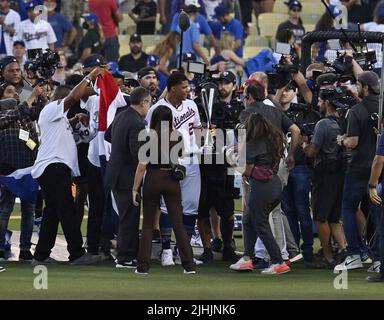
94 60
221 10
335 11
115 70
294 3
30 5
189 56
6 61
91 17
379 10
153 60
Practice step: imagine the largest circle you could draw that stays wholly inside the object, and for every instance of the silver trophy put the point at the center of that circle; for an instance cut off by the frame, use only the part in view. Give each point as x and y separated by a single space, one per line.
207 103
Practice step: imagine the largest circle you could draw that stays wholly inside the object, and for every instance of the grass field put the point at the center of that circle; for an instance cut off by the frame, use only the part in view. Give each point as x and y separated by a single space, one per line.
213 281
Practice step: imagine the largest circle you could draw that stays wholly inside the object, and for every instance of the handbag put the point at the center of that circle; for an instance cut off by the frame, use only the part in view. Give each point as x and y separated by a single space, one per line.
263 174
178 172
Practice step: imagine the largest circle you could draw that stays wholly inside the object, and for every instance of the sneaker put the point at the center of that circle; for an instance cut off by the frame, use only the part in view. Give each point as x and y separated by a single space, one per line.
196 241
276 269
288 263
167 258
375 267
364 255
260 264
216 245
189 272
229 254
48 261
242 265
341 256
131 264
138 272
2 256
296 258
37 224
350 263
206 256
2 269
197 261
86 259
375 278
25 255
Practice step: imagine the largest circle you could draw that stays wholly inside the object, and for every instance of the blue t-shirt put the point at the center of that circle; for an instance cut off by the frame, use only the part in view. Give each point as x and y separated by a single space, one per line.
234 27
191 36
201 22
60 25
23 7
380 146
163 80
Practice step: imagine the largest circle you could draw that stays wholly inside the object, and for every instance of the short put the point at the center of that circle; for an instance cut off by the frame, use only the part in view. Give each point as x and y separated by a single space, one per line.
217 191
327 195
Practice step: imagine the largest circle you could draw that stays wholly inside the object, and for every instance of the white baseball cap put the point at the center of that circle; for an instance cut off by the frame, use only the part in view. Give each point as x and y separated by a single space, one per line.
192 3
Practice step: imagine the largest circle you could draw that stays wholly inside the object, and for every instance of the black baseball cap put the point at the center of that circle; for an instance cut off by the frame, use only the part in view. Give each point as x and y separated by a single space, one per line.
370 79
135 38
19 42
146 71
6 61
94 60
189 56
228 76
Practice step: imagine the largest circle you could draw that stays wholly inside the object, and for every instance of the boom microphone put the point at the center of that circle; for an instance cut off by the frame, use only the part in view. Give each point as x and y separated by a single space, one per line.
183 21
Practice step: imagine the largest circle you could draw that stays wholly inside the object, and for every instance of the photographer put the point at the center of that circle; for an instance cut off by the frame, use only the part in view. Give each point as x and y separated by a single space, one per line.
361 138
11 72
18 149
328 180
217 187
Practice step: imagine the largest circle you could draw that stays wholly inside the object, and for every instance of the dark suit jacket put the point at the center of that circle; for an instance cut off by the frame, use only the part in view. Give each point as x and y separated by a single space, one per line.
123 134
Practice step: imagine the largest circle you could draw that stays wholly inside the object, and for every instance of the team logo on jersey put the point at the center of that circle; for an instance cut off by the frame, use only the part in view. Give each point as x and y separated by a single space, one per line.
180 120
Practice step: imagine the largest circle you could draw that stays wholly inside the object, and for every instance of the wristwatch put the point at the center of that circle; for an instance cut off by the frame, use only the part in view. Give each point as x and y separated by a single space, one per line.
372 186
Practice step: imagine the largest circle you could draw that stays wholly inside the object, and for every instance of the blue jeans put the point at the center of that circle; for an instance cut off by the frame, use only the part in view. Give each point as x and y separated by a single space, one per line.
295 205
354 191
7 202
111 49
376 220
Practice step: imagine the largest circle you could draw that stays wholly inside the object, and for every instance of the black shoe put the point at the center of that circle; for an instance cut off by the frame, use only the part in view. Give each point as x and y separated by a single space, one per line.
376 278
206 256
229 254
341 256
25 255
216 245
2 256
132 264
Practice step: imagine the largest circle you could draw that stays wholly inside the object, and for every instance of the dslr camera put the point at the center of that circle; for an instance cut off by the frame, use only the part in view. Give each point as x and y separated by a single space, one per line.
43 64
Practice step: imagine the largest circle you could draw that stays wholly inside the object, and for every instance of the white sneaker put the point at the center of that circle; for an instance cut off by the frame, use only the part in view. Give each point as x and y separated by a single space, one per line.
242 265
375 267
350 263
167 258
137 272
189 272
276 269
178 260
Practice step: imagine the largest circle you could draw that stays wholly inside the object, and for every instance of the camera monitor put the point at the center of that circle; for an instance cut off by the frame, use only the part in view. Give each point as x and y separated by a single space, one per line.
196 67
33 54
283 48
334 44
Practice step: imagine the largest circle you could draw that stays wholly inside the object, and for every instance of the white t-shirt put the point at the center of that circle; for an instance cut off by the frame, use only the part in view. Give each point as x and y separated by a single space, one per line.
57 143
374 27
185 118
210 6
92 105
12 20
36 35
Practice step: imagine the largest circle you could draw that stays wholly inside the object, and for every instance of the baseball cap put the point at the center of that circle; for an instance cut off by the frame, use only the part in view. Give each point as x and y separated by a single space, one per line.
153 60
114 70
135 38
91 17
221 10
370 79
189 56
379 11
19 42
192 3
146 71
294 3
94 60
227 76
6 61
30 5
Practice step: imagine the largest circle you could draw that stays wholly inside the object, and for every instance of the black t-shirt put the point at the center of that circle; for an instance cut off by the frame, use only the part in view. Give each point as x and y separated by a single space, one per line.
145 10
257 152
297 29
359 124
362 12
128 63
90 40
273 114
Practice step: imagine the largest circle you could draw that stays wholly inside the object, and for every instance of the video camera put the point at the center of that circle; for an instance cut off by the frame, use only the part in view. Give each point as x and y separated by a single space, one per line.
304 117
339 98
43 64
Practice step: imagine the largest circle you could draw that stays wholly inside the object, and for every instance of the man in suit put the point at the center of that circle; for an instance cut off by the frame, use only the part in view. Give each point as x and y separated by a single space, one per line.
123 134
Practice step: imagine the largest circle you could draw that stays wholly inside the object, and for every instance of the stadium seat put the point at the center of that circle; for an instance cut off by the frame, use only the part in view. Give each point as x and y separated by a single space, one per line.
127 26
311 18
310 7
309 27
256 41
250 52
151 39
280 7
268 23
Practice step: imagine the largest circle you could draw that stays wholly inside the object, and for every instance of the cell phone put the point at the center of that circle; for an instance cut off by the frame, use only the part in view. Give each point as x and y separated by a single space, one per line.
283 48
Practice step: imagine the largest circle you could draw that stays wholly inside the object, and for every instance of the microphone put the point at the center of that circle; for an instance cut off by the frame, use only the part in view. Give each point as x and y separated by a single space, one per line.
184 21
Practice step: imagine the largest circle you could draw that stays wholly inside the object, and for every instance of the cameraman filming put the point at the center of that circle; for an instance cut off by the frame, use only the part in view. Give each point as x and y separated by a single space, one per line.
328 177
217 187
361 138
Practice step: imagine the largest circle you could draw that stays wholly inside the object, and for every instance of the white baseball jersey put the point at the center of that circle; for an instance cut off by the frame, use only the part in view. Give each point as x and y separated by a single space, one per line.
185 118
